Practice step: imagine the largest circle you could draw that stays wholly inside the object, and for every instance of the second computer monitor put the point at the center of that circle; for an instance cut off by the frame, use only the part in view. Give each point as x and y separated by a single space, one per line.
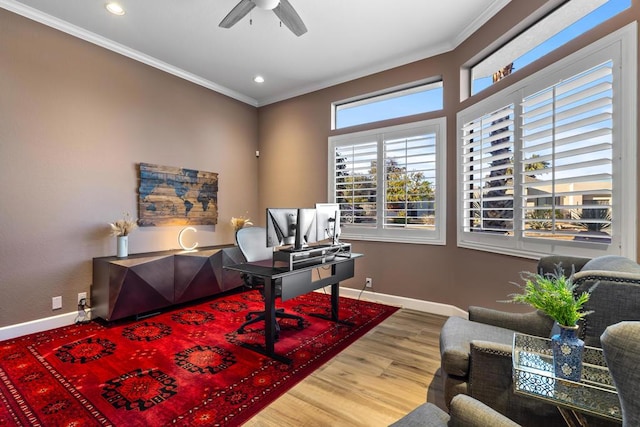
295 227
328 221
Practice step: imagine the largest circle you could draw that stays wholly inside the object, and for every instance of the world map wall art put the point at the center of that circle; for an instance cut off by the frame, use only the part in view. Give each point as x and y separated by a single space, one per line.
177 196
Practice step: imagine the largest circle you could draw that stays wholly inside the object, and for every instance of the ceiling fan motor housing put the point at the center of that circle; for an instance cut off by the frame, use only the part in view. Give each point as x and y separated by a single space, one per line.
266 4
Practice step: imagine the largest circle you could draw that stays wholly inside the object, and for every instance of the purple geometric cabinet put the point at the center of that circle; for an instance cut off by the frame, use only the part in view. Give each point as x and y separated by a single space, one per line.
143 283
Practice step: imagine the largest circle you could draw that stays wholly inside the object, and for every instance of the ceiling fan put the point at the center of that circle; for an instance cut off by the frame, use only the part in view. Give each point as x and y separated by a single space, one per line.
282 8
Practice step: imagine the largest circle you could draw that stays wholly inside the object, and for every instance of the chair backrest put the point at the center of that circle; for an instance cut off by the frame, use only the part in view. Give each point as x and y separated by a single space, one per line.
615 299
252 241
621 345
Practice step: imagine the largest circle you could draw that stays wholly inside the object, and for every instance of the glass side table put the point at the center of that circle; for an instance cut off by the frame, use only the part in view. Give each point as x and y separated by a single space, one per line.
533 376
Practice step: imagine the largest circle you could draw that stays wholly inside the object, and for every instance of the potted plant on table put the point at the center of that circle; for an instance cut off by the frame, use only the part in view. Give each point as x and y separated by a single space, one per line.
554 294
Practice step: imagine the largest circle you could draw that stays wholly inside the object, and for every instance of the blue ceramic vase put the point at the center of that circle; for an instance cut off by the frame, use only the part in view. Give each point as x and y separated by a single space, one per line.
567 353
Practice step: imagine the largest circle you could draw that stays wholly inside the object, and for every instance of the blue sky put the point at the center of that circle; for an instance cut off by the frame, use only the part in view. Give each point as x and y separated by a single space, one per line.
432 100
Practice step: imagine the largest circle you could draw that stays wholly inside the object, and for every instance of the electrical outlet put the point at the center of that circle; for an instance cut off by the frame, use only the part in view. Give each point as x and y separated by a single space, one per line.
56 303
368 282
82 296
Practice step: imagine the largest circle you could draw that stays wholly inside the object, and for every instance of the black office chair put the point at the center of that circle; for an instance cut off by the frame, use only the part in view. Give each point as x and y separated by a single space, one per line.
252 241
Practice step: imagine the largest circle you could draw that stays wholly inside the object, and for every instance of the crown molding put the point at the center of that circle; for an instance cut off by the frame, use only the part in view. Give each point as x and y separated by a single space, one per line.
73 30
488 13
480 20
396 62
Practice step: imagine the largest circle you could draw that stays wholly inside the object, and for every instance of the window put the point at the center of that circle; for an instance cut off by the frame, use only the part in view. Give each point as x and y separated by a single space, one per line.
565 23
567 158
487 158
548 165
402 201
420 97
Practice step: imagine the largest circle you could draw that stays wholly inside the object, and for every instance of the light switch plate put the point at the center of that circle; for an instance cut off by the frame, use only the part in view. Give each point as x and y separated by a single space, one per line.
56 303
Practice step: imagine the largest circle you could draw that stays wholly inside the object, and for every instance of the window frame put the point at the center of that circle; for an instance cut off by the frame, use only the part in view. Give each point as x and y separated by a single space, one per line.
555 13
384 95
379 232
621 48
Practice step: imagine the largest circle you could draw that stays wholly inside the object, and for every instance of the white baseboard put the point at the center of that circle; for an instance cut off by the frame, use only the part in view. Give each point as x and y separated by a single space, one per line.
404 302
39 325
35 326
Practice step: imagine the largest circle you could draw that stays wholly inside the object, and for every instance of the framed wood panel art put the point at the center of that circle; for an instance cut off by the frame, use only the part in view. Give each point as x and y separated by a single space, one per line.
177 196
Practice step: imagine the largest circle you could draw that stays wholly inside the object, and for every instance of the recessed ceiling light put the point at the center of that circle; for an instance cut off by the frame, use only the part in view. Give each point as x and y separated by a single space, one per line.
115 8
258 79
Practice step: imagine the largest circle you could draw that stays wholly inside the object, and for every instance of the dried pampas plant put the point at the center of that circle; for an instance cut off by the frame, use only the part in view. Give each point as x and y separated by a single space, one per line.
124 226
240 222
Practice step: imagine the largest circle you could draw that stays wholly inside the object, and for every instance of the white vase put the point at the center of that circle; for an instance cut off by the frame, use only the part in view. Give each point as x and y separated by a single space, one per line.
123 246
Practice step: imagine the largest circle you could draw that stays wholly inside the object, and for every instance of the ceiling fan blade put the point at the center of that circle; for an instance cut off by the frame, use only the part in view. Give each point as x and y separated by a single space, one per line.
237 13
289 17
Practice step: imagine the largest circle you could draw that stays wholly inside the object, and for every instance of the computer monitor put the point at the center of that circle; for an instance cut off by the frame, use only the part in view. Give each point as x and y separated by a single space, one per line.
288 226
305 228
328 221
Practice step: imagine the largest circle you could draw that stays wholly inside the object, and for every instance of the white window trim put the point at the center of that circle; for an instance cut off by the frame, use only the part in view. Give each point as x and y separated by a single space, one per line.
621 46
433 237
382 95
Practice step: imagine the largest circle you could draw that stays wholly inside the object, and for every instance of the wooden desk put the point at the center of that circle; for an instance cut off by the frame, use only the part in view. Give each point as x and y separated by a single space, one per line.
293 283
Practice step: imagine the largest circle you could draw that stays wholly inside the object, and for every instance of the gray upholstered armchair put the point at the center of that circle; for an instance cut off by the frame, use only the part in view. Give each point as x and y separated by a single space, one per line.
465 411
621 345
476 353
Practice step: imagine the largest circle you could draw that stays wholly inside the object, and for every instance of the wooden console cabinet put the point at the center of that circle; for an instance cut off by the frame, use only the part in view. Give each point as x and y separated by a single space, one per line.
144 283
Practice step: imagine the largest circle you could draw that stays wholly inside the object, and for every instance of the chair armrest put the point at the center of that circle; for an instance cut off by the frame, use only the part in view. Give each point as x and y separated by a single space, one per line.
532 323
491 382
468 412
490 373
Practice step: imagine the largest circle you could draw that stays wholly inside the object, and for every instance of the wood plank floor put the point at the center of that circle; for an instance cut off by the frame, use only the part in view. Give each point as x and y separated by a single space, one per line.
375 381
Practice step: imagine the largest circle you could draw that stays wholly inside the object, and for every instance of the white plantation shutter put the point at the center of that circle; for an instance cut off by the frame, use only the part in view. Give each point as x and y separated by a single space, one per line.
571 179
356 183
487 172
567 158
410 180
390 182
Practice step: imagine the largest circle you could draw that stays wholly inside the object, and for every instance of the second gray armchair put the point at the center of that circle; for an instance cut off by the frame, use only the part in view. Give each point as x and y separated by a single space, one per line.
465 411
476 353
621 345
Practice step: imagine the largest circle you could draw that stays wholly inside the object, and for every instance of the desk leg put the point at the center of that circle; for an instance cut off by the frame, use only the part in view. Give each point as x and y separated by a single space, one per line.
335 305
269 325
335 301
270 316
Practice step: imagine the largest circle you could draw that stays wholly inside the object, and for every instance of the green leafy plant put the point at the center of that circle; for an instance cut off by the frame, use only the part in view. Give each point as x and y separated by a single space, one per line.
554 294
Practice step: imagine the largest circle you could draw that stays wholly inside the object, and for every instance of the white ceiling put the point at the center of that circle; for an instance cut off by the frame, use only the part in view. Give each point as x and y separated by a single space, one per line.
347 39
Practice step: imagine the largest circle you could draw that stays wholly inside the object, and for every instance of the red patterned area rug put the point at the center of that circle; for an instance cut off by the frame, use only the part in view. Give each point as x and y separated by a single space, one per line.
183 367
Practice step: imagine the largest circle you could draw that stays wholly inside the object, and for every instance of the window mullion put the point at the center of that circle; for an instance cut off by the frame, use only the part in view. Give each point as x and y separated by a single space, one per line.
382 190
518 199
554 135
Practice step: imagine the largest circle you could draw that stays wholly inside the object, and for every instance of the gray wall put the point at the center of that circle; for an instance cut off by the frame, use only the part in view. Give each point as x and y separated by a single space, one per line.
75 120
298 128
